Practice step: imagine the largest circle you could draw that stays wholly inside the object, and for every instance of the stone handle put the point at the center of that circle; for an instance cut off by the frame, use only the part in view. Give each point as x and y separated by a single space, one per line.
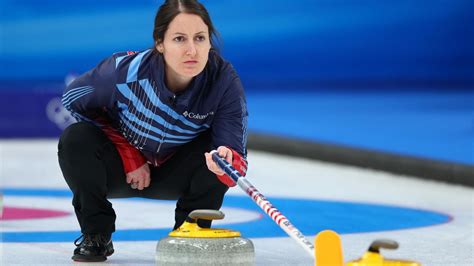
205 215
382 243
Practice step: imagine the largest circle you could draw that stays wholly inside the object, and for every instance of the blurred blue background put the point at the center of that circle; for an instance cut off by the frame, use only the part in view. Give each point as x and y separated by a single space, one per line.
394 75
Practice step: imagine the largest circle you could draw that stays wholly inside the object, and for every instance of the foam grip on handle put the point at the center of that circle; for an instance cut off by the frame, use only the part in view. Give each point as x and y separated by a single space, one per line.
226 167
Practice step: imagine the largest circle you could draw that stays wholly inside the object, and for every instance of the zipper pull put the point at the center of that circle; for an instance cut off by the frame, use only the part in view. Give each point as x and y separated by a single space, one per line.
173 100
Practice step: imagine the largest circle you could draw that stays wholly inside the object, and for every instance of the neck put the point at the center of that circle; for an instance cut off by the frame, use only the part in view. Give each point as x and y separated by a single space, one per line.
175 82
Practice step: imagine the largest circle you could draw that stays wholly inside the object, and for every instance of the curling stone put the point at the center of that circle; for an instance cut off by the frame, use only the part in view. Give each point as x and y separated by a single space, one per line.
193 245
373 257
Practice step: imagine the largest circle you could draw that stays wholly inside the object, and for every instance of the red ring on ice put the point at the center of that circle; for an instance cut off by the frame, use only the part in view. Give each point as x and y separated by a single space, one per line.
14 213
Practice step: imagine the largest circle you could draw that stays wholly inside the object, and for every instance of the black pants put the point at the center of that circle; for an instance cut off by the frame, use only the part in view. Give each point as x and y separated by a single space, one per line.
94 172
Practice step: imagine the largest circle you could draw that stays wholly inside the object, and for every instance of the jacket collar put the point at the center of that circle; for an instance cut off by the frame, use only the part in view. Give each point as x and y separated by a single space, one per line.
183 98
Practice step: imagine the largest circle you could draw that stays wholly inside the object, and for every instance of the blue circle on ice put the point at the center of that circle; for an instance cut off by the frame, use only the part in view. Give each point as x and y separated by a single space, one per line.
309 215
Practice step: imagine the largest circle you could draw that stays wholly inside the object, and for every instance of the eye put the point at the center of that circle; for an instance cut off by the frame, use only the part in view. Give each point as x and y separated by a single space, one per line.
179 39
200 38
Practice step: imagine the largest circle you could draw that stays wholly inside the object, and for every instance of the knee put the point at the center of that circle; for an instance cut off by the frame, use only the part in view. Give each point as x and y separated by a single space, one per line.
77 154
205 182
78 137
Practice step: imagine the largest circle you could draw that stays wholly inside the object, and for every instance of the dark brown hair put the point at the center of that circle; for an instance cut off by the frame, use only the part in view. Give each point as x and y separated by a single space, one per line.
171 8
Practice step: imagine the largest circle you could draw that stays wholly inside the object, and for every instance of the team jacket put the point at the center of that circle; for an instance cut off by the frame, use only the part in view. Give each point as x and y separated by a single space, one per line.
126 95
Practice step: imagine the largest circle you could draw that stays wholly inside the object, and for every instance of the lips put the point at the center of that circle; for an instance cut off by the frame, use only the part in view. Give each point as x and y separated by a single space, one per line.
191 62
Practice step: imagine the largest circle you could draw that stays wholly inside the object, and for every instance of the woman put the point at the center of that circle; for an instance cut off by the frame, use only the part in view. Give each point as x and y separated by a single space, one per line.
148 120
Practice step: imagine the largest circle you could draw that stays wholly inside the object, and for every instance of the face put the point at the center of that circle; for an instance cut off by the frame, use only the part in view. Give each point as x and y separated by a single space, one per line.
185 47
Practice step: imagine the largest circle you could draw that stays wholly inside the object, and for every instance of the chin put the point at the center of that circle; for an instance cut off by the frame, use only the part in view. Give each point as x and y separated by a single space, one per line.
191 73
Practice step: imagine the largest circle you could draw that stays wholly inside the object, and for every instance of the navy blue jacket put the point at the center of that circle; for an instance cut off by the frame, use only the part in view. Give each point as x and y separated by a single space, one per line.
129 88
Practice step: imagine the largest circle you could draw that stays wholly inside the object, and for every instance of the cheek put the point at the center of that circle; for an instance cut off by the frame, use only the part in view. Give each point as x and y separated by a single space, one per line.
204 62
204 54
172 50
172 56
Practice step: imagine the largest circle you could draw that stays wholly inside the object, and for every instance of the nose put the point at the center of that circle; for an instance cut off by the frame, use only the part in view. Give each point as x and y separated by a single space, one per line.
191 49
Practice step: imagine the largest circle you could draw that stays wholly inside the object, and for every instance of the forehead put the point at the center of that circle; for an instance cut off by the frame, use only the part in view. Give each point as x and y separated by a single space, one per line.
187 23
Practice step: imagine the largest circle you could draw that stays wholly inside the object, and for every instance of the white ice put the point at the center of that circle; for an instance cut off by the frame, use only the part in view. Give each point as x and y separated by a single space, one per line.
33 164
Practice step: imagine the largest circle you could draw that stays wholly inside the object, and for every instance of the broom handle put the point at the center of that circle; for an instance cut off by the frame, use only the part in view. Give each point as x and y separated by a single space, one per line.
266 206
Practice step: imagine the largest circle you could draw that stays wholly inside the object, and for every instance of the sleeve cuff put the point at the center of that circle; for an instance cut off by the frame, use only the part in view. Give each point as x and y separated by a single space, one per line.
239 163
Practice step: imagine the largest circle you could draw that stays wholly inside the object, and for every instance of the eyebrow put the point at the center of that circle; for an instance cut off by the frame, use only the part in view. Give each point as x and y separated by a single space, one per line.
180 33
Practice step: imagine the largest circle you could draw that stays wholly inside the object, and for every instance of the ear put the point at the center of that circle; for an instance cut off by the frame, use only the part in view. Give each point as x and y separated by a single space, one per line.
159 47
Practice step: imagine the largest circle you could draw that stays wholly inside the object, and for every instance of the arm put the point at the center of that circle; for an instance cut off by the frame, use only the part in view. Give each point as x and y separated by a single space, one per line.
89 97
229 132
132 158
91 93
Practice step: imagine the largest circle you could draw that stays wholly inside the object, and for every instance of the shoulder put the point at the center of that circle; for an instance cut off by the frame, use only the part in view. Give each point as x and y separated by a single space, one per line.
220 69
124 59
226 81
129 66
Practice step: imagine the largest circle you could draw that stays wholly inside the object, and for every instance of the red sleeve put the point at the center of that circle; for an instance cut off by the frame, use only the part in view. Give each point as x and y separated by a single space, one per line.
132 158
239 163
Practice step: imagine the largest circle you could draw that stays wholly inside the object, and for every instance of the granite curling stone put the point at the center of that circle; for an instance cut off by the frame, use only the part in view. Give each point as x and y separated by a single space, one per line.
193 245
